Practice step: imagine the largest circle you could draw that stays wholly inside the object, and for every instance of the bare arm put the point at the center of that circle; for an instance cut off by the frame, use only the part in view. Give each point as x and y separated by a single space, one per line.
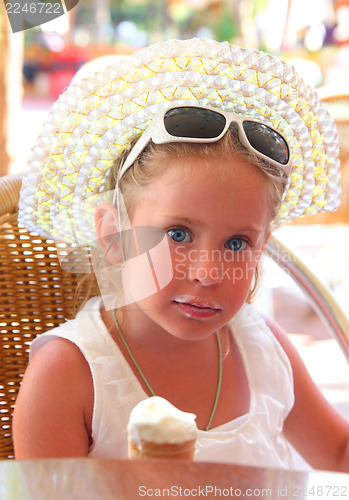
314 427
53 411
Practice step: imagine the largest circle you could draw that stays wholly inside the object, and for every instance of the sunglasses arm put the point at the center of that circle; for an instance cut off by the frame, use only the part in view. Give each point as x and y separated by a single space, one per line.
137 149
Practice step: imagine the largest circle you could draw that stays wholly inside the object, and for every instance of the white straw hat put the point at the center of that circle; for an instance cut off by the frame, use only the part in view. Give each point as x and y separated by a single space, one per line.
95 119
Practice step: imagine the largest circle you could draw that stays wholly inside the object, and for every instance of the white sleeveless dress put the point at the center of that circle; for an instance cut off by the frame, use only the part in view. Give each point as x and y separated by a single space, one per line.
252 439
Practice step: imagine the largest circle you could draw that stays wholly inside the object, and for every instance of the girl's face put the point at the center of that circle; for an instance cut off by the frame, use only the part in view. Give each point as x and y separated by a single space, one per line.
216 227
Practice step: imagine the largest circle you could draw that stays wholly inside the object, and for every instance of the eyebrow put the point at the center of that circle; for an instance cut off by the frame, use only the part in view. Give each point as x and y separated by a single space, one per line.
250 229
188 220
182 218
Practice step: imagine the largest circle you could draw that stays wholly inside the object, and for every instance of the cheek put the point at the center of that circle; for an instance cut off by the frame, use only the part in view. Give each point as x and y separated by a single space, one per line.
238 278
239 270
180 261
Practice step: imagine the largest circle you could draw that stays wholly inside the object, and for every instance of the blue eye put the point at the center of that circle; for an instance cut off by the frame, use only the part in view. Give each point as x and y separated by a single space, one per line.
236 244
179 235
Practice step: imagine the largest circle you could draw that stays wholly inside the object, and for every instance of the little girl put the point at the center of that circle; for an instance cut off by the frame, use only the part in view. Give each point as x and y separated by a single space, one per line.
231 144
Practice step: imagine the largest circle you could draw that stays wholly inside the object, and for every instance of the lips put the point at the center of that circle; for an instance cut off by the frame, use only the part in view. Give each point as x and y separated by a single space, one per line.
197 307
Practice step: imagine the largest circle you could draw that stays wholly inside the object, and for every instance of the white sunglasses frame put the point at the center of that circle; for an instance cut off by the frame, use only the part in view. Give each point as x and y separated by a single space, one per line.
157 133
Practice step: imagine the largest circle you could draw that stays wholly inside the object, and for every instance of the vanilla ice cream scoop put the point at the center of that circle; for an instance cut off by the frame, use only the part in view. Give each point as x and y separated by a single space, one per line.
158 429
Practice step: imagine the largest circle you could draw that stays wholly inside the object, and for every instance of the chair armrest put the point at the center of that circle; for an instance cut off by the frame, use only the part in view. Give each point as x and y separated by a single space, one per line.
319 295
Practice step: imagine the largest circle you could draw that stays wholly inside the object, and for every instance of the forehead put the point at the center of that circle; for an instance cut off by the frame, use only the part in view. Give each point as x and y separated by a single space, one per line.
217 188
219 172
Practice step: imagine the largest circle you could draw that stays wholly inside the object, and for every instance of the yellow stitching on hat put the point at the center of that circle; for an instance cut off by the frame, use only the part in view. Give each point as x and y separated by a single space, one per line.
114 106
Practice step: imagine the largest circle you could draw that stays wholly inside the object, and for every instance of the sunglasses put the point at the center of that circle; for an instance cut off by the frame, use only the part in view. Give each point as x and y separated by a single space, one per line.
205 125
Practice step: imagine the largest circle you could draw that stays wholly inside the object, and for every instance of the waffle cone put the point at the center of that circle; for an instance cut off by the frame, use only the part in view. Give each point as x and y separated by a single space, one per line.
148 449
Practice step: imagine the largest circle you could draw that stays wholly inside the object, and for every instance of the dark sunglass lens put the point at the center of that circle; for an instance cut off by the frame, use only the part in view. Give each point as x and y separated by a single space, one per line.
267 141
196 123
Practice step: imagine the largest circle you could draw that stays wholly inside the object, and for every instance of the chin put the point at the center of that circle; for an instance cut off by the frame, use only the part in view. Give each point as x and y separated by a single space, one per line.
192 331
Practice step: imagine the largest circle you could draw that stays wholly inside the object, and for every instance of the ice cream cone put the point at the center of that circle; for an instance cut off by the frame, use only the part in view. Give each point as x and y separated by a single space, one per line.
157 429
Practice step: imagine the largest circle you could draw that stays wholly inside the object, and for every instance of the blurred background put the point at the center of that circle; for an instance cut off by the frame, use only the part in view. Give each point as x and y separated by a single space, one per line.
37 64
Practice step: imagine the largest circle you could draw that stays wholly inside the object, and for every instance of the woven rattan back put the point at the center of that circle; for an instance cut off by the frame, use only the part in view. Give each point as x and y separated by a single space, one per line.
36 295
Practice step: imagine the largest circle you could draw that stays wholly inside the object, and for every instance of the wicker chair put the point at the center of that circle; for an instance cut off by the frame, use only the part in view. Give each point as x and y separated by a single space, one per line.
36 295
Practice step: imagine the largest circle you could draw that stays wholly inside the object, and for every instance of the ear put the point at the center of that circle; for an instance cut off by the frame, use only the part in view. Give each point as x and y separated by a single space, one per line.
108 234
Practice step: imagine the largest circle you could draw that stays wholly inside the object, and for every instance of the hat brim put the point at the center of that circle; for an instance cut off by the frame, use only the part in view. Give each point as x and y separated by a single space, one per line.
95 119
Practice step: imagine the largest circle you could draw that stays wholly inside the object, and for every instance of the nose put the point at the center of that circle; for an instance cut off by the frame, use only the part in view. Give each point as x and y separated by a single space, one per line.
206 272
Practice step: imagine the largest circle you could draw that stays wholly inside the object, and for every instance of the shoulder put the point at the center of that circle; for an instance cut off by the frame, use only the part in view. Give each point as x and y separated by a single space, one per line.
298 367
282 337
55 399
60 367
274 335
58 355
300 372
84 330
